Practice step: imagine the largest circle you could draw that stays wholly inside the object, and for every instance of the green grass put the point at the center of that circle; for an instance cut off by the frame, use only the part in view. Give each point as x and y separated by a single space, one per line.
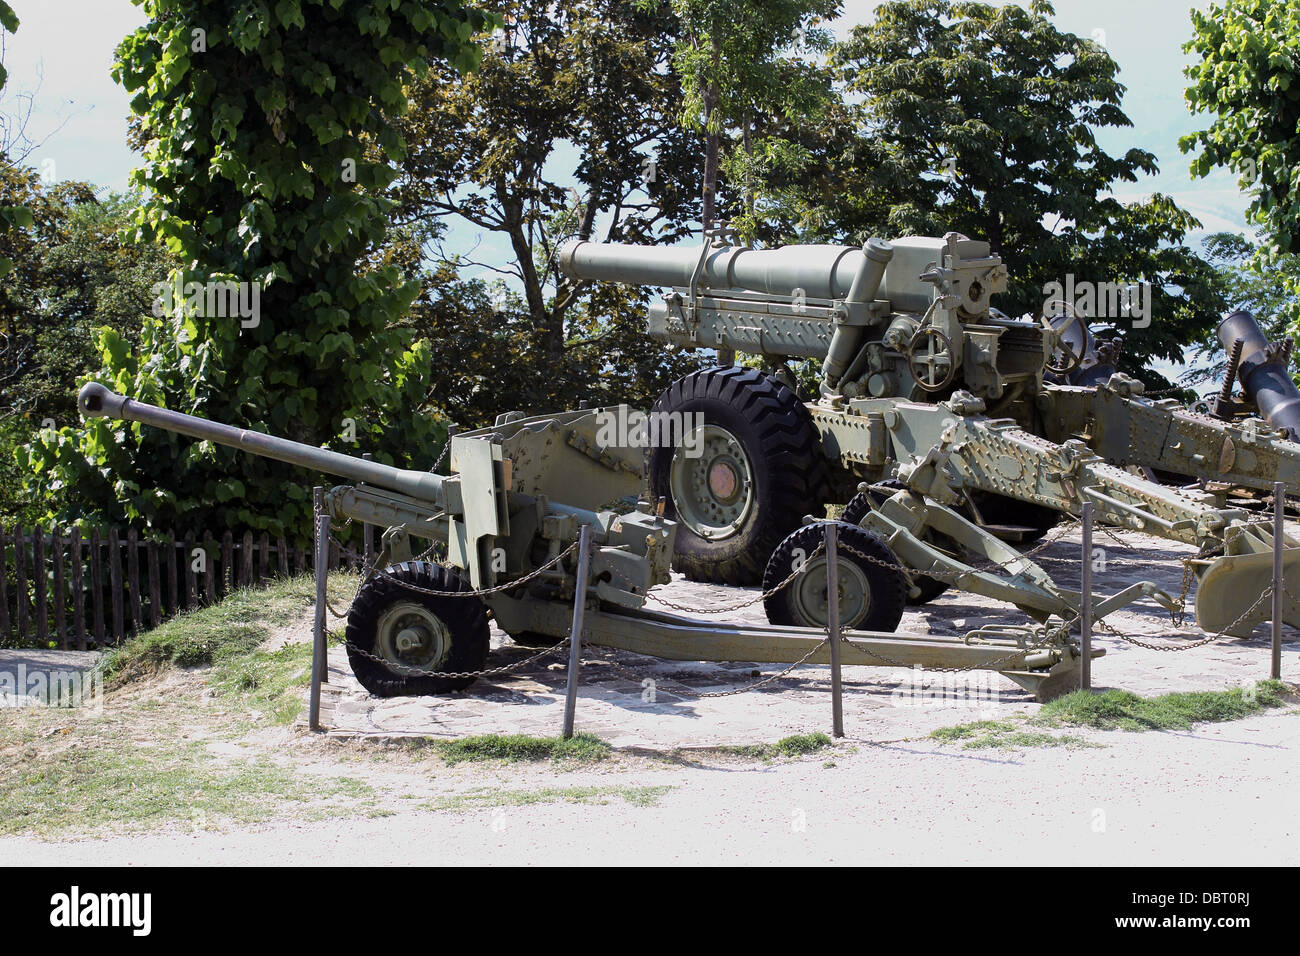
477 798
231 627
1114 710
515 748
1122 710
799 745
271 681
132 788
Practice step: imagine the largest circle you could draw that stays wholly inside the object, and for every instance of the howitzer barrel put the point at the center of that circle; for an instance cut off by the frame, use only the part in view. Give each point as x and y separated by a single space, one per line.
96 401
1263 371
821 271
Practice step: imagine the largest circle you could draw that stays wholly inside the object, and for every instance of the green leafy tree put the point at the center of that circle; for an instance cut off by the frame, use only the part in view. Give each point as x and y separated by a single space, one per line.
982 120
741 84
11 217
270 148
568 128
1247 79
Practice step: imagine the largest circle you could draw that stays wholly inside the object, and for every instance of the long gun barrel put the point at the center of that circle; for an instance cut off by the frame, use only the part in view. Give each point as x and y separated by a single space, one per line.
1263 371
96 401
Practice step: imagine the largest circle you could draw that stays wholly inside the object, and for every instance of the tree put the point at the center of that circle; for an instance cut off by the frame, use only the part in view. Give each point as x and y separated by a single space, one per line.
568 128
1247 78
982 120
270 146
736 80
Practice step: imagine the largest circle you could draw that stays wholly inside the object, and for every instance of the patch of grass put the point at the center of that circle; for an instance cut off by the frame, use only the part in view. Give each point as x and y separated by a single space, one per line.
474 799
513 748
233 626
1123 710
798 745
133 788
1003 735
271 680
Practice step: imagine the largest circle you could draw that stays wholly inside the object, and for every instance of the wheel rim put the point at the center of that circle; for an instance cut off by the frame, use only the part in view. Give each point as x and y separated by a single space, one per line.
410 637
713 491
809 594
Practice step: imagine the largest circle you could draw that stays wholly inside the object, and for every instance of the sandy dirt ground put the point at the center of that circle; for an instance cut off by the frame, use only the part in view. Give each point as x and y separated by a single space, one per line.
887 793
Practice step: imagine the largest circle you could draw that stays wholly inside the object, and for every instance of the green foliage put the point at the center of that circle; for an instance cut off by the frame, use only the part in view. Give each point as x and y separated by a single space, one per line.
1122 710
270 144
983 120
1247 79
578 90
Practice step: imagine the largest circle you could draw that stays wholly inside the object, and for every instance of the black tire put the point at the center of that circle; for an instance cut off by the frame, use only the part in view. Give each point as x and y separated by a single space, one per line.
785 458
928 588
884 585
463 640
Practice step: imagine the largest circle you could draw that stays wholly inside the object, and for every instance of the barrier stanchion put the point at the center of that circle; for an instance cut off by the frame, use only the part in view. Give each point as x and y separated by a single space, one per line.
1085 604
1279 531
833 626
575 640
319 664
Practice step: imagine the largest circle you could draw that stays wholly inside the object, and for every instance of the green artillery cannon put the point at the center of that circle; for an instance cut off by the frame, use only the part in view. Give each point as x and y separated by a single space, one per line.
510 551
945 427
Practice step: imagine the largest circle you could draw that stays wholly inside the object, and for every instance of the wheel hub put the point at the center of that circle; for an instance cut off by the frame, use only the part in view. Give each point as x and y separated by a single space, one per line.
411 637
853 591
712 487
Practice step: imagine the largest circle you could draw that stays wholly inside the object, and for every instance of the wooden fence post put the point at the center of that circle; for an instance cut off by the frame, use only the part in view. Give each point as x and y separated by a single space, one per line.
4 588
133 579
60 616
227 563
246 561
155 584
282 556
97 587
115 582
210 596
173 586
39 589
191 577
20 581
78 594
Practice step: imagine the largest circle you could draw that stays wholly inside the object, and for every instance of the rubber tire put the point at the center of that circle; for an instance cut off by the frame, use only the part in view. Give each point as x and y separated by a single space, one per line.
857 508
888 586
788 465
465 618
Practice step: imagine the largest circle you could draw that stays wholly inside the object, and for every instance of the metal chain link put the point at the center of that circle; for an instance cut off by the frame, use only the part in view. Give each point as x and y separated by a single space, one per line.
406 671
763 596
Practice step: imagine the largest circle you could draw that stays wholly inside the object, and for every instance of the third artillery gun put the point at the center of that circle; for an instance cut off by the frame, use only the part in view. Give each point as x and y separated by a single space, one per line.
946 427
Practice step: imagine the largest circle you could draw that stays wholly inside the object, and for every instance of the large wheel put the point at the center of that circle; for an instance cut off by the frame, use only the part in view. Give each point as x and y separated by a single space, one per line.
872 590
743 475
397 634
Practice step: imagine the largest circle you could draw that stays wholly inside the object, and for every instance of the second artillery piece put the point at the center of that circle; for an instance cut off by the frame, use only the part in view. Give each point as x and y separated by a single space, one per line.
949 430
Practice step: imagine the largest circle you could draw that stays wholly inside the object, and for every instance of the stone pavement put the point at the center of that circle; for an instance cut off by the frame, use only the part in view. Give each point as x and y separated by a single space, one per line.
880 703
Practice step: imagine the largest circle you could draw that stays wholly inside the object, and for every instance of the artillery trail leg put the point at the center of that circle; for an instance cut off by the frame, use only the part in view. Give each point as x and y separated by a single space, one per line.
575 639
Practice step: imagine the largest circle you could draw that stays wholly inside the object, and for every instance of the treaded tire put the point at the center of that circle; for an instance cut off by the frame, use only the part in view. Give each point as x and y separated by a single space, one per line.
465 620
786 460
929 588
887 585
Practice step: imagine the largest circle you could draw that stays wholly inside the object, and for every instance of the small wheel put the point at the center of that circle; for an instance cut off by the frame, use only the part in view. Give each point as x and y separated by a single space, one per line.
397 634
744 467
1065 356
872 593
931 361
859 505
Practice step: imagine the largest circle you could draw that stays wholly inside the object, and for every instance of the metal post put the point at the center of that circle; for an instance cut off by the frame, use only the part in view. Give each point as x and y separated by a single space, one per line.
833 626
319 664
575 637
1085 605
1279 534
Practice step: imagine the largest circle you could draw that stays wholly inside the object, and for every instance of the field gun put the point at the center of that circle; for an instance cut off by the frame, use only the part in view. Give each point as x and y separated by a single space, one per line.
945 428
507 520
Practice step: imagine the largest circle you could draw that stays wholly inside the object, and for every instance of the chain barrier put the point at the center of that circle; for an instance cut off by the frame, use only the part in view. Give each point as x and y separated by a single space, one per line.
407 671
763 596
689 692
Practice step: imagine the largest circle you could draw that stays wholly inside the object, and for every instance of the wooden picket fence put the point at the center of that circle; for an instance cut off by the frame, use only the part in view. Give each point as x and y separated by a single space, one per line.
75 590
